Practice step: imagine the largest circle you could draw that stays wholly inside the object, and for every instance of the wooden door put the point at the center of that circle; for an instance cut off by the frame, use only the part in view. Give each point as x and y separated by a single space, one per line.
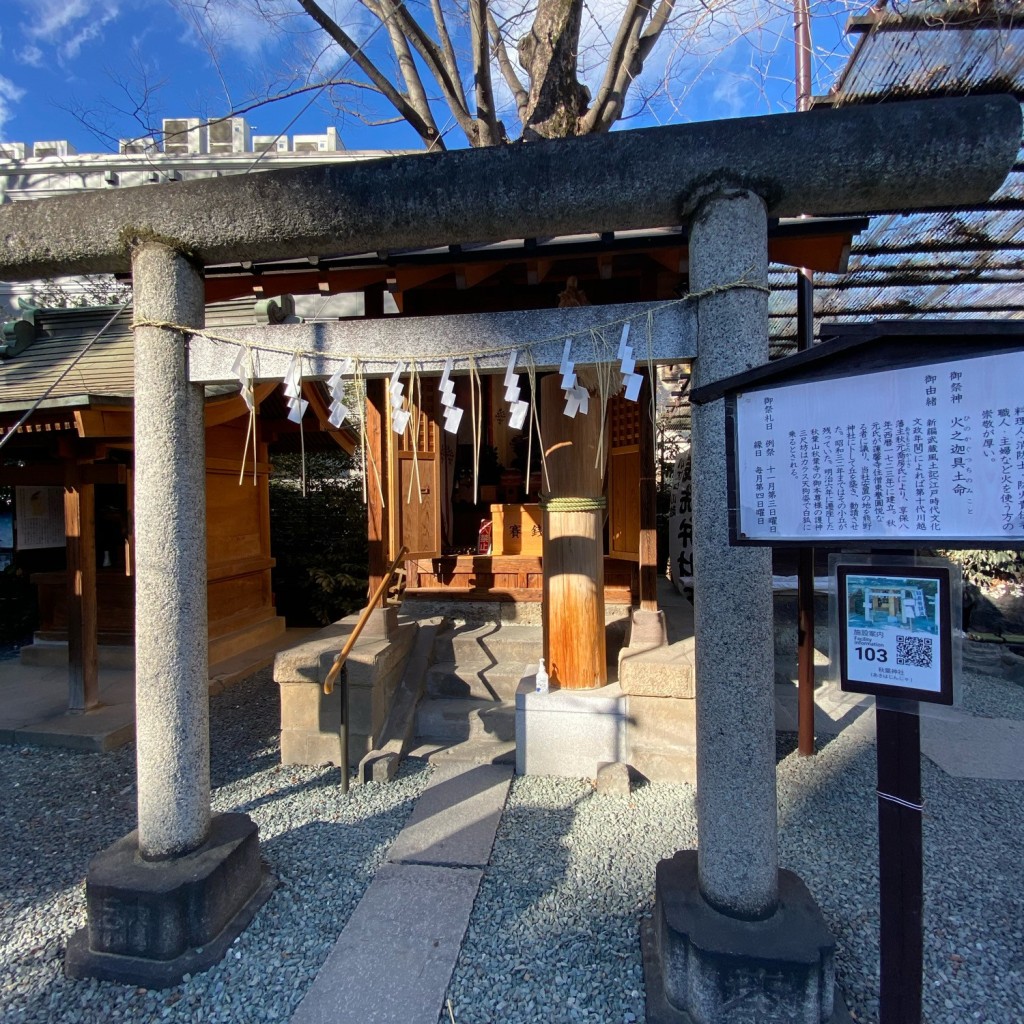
415 491
624 421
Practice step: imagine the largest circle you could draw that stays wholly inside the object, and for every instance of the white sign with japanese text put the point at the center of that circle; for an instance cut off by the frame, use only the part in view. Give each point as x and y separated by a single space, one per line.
925 453
39 513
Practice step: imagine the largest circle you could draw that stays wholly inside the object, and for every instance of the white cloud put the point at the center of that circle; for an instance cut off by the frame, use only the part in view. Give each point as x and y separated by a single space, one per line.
64 25
10 94
31 55
239 28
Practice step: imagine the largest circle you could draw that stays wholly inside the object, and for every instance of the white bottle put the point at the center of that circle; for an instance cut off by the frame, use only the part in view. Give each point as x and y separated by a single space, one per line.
542 678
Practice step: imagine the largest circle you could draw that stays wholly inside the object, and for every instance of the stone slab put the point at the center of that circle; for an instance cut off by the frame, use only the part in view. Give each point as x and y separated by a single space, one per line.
973 748
663 723
568 733
394 959
455 820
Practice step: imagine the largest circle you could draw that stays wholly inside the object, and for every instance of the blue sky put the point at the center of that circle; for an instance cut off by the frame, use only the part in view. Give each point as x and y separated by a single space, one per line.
62 60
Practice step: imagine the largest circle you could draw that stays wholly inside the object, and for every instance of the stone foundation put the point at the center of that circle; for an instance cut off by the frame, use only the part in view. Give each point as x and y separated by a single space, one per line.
311 719
704 967
152 922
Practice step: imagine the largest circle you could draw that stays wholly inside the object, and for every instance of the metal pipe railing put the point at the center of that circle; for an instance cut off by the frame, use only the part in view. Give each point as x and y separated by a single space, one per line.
363 618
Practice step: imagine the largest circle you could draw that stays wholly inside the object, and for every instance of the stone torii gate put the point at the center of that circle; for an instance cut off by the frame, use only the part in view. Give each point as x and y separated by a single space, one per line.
187 880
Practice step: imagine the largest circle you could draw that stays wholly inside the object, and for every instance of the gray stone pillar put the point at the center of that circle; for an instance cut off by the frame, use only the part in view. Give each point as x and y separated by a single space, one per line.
736 801
171 670
733 939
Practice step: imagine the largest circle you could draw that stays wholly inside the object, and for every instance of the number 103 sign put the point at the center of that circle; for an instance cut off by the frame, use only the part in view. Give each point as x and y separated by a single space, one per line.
894 631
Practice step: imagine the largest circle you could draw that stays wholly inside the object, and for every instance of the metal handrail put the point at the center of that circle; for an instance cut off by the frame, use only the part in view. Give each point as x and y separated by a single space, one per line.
339 660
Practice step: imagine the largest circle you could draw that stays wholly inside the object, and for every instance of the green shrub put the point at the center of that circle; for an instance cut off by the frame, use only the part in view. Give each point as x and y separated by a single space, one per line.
986 567
318 540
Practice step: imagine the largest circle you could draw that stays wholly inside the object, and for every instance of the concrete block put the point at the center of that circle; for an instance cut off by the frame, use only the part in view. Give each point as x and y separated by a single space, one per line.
455 820
568 733
378 767
673 767
381 624
664 723
647 628
614 779
973 748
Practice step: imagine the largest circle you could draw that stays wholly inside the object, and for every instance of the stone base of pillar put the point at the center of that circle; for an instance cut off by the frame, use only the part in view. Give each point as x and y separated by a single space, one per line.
647 628
703 967
152 922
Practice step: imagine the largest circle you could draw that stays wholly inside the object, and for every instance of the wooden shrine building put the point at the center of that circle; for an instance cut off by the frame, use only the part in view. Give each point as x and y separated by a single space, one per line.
66 382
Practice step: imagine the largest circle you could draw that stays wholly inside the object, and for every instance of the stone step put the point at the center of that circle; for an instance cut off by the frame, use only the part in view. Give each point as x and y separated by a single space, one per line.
466 719
489 751
508 642
478 677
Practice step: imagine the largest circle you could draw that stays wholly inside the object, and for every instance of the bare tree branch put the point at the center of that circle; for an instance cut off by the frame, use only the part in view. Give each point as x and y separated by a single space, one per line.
451 87
444 35
406 65
490 132
425 131
508 72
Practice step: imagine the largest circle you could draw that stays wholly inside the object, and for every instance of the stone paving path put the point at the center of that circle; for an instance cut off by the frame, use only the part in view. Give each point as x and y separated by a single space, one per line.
394 959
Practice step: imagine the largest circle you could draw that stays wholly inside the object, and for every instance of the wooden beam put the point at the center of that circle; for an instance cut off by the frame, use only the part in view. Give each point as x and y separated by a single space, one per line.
343 438
407 278
55 474
673 260
103 421
827 253
302 282
80 529
231 407
537 270
573 616
469 275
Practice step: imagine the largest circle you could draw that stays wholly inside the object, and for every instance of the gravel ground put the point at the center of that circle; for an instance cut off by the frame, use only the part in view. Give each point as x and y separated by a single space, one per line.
554 933
60 807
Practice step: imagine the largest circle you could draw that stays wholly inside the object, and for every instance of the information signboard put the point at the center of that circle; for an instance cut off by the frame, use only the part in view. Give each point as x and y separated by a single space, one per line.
39 514
910 455
894 631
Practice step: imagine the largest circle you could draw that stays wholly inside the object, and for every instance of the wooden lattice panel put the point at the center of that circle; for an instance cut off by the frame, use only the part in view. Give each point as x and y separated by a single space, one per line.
420 434
623 422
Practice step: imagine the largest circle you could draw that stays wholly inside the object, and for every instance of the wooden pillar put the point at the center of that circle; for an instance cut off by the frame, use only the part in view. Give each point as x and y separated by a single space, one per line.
80 530
573 551
376 514
376 449
648 502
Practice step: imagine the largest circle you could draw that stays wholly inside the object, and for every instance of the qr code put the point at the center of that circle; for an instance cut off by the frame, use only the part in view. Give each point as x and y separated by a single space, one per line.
914 650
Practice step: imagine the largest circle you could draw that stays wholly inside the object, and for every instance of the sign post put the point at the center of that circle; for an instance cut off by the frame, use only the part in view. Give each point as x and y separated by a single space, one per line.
895 643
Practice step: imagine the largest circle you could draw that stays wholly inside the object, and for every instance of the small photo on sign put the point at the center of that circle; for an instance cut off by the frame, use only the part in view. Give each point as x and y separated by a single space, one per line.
894 631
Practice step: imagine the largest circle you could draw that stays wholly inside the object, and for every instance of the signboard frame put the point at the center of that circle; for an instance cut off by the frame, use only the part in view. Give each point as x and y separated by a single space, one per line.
854 679
880 347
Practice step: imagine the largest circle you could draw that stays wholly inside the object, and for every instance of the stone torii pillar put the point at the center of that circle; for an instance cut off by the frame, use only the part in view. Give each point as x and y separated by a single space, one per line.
169 898
733 937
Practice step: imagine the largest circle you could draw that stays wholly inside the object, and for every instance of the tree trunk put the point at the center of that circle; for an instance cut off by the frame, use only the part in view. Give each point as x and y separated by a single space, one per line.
548 54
